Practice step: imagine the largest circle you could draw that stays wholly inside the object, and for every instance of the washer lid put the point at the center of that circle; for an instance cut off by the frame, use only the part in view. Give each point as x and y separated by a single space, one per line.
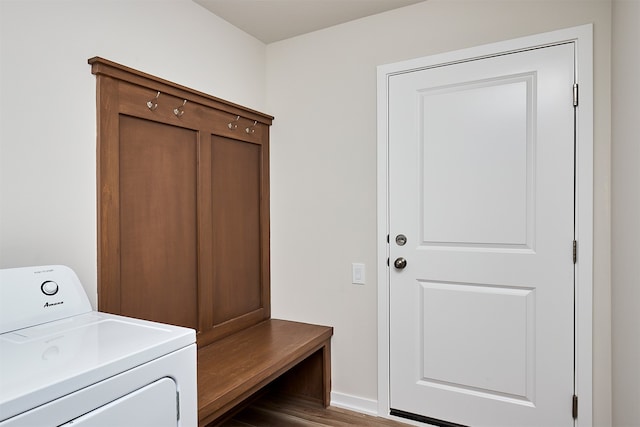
42 363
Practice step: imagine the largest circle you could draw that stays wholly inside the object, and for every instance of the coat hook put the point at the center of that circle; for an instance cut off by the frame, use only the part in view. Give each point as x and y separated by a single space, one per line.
179 111
152 104
233 125
252 128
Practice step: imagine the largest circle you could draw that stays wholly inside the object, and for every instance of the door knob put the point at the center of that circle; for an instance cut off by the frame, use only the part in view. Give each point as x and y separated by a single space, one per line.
400 263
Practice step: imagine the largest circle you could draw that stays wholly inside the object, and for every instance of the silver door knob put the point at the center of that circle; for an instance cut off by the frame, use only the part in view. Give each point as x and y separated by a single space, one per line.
401 240
400 263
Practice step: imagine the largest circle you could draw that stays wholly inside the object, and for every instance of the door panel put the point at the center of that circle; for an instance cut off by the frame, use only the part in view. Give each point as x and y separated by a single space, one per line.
463 127
236 186
481 183
502 369
158 172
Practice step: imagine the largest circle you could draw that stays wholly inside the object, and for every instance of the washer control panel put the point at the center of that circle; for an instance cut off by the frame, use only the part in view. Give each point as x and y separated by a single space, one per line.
31 296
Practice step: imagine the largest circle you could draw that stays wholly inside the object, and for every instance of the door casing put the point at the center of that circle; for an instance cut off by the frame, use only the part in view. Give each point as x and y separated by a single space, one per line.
582 36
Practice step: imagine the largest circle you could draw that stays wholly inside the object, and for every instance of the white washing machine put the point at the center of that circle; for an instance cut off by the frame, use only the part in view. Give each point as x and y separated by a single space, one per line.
61 363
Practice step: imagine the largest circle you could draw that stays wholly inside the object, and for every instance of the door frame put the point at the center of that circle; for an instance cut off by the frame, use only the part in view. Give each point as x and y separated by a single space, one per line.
582 36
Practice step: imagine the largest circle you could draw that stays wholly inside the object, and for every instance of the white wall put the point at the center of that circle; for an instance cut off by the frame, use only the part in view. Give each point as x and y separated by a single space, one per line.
625 254
321 87
47 107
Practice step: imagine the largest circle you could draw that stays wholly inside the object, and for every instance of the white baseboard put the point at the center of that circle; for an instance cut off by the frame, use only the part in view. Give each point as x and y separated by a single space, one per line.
366 406
354 403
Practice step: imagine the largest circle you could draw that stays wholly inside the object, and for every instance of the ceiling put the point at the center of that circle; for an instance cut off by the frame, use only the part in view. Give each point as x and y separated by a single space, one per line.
274 20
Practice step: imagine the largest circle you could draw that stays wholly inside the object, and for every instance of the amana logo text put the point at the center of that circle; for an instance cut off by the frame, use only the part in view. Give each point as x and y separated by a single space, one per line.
46 304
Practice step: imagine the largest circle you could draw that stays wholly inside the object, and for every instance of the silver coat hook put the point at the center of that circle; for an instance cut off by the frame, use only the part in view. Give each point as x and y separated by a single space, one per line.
152 104
179 111
252 128
234 124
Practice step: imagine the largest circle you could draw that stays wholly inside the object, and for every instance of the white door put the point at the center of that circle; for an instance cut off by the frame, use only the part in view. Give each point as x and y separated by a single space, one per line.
481 184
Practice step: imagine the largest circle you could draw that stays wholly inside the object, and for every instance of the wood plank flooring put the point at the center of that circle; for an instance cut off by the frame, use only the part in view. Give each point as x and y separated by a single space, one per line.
274 410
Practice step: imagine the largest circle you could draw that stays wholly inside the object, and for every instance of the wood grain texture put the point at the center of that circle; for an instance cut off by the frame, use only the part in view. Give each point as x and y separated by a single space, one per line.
236 171
104 67
279 410
108 194
183 205
232 369
183 232
158 233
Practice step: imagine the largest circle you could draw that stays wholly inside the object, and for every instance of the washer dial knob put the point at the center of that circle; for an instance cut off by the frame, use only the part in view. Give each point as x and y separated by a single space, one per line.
49 287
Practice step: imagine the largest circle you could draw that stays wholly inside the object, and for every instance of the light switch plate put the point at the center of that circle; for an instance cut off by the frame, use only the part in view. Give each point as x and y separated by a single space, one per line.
357 272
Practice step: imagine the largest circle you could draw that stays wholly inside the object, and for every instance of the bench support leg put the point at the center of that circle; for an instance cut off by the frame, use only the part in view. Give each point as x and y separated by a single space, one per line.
310 379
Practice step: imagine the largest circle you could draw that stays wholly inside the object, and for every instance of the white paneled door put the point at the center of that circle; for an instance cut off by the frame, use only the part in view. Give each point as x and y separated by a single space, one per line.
481 221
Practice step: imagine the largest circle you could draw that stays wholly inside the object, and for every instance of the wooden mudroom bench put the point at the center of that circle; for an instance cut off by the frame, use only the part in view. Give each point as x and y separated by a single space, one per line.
183 236
294 357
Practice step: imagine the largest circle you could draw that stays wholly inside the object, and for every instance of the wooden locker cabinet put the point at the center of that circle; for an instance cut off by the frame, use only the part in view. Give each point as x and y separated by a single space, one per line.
183 237
183 204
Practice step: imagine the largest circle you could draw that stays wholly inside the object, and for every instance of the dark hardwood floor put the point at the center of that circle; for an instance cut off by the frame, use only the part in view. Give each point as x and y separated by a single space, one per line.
273 410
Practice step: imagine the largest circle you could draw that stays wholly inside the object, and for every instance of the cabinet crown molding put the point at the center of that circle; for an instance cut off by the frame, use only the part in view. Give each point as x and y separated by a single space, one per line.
107 68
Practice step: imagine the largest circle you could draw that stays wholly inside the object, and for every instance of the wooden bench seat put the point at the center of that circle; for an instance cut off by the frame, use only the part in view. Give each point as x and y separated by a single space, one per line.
234 368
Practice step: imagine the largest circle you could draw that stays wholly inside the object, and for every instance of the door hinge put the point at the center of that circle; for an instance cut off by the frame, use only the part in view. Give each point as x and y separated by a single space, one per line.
574 409
387 238
575 251
575 94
